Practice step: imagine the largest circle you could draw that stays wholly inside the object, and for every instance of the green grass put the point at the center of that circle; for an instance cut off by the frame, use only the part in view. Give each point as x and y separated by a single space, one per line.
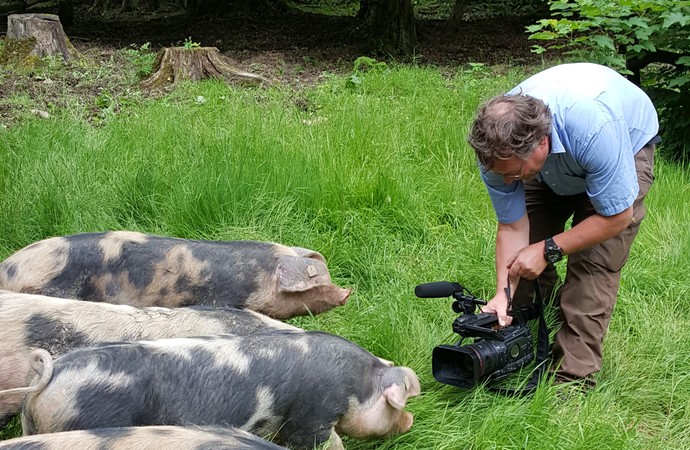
377 176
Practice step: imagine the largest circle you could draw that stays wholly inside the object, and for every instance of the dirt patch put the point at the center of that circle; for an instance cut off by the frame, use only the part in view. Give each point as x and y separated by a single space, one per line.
295 49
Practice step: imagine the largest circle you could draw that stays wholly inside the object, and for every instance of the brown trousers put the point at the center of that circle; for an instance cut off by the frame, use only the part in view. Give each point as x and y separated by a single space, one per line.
592 277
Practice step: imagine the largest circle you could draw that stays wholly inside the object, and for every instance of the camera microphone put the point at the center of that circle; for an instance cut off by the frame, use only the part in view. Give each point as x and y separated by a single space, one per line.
437 289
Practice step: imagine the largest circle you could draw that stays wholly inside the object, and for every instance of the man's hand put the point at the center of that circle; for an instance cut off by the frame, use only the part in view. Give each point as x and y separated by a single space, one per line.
528 262
499 306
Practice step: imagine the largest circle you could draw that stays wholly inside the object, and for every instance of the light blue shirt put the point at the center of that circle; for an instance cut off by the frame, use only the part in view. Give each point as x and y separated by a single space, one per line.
600 121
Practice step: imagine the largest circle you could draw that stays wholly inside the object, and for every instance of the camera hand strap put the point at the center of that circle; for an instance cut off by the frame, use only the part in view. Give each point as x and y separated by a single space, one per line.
542 356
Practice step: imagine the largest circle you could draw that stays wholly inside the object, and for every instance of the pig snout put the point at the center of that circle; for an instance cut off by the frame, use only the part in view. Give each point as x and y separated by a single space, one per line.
385 415
303 286
330 297
405 423
325 298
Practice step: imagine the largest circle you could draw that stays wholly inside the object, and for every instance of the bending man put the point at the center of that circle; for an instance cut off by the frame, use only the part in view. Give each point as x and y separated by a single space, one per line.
576 140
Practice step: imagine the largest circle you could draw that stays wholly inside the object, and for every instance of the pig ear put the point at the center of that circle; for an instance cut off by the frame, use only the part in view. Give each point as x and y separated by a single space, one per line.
396 396
386 362
297 274
306 253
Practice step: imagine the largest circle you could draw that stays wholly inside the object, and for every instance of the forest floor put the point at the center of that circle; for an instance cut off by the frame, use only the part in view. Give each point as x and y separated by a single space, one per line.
295 49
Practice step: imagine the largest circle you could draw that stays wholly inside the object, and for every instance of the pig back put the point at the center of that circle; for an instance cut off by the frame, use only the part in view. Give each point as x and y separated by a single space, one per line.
29 321
143 438
282 382
125 267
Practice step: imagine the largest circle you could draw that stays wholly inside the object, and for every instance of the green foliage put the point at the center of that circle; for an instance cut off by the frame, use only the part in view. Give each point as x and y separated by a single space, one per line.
142 58
189 44
13 429
628 35
328 7
361 65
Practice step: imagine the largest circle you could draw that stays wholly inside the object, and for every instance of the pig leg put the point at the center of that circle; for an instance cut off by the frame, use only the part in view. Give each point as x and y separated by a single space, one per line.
298 436
15 371
10 400
334 442
42 363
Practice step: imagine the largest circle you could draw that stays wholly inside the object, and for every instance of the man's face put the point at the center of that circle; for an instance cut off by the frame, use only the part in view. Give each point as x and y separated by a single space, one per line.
515 168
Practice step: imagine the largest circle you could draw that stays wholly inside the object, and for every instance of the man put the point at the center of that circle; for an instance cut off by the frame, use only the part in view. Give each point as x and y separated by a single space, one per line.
576 140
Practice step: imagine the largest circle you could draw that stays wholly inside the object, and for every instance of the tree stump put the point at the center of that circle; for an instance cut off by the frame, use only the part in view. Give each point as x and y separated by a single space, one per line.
175 64
39 35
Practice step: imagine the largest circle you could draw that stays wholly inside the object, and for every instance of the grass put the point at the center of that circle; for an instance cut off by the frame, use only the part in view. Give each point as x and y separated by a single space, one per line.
377 176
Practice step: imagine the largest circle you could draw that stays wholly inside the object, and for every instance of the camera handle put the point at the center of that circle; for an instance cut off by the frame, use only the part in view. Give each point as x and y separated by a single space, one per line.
540 363
466 302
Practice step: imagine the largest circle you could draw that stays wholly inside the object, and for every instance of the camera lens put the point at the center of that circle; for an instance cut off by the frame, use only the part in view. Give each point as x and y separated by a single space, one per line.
464 365
488 356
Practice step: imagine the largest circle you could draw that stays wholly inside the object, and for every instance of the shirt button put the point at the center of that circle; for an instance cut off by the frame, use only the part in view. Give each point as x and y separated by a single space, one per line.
546 173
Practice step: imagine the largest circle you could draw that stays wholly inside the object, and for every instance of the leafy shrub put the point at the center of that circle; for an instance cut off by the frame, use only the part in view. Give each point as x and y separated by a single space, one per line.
142 58
649 40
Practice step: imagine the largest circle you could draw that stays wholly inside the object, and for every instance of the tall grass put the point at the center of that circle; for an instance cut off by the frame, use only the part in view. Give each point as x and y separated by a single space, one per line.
377 176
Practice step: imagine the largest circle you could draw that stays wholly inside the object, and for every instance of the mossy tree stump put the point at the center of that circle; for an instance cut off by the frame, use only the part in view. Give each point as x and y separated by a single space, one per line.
174 64
40 35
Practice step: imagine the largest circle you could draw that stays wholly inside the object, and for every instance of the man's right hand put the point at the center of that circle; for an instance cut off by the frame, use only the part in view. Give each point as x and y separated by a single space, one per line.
499 306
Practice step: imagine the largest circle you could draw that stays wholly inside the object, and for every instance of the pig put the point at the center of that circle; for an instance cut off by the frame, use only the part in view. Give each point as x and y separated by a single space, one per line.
144 438
29 321
304 388
126 267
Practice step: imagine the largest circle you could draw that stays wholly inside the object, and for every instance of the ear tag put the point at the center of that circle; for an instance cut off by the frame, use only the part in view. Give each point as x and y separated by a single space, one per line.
311 271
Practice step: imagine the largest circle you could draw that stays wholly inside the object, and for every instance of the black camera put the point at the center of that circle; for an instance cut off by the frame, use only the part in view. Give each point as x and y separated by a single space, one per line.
494 354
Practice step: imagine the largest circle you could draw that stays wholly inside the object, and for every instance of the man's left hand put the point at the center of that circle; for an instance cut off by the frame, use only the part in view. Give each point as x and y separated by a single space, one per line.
528 262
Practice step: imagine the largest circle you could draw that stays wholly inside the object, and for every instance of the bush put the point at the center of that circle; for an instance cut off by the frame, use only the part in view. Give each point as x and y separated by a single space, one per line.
648 40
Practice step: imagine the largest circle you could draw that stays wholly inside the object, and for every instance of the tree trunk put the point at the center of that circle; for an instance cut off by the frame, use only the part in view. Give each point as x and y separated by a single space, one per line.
456 17
196 8
45 30
175 64
363 10
389 27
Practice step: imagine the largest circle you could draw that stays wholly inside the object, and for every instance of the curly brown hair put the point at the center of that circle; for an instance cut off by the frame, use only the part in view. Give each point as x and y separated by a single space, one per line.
508 125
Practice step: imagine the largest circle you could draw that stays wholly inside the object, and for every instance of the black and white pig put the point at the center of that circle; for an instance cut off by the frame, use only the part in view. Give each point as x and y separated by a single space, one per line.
143 438
303 387
125 267
59 325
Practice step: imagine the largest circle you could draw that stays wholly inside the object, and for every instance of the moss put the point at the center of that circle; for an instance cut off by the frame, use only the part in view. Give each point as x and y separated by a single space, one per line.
17 52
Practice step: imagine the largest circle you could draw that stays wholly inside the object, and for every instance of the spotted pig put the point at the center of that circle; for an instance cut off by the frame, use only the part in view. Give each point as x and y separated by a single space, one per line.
126 267
304 388
143 438
59 325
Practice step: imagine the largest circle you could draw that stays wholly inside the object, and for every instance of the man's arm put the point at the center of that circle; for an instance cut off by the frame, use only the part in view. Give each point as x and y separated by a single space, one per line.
516 259
529 262
510 239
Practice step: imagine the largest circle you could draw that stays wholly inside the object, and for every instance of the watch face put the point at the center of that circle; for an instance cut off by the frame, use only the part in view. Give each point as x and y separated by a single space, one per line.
552 252
553 256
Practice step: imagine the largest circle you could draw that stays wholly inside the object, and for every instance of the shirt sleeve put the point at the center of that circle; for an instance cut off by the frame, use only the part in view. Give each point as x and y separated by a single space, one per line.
508 200
604 152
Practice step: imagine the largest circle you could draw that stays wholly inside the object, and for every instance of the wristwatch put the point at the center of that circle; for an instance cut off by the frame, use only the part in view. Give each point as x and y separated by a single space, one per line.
552 252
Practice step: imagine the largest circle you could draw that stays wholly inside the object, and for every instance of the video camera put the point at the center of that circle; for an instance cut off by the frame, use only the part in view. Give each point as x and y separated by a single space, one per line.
494 354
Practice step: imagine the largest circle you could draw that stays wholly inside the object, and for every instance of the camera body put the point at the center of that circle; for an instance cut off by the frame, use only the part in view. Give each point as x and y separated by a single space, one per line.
494 353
